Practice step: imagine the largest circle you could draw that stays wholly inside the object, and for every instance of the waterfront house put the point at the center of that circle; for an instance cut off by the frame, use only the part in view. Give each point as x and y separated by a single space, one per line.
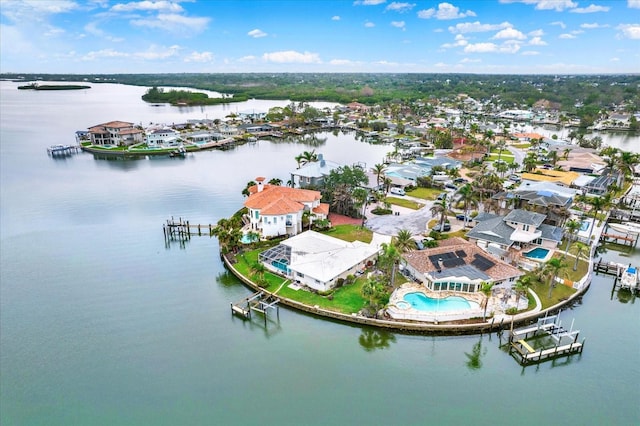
313 173
458 265
162 137
277 210
118 133
519 230
318 261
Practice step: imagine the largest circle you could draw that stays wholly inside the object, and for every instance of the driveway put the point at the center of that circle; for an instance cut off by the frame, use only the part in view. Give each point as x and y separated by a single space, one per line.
402 218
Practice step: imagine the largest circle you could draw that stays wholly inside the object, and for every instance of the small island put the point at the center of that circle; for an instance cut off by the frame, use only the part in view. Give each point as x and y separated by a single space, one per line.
187 98
36 86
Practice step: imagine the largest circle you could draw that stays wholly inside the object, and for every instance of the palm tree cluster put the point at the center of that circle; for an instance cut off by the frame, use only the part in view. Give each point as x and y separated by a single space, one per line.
229 233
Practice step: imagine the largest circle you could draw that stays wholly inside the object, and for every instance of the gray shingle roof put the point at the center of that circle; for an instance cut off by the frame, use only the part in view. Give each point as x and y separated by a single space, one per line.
549 232
525 217
494 230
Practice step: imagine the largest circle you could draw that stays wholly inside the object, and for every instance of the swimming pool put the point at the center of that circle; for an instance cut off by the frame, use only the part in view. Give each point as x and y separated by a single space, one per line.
537 253
584 225
422 302
248 239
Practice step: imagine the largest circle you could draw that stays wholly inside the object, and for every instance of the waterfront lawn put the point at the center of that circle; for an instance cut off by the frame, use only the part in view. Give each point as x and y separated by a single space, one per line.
521 145
559 293
346 299
403 202
350 233
425 193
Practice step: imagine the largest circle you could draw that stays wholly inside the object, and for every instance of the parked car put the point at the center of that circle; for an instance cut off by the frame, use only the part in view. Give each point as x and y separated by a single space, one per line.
445 227
515 178
461 216
419 245
450 186
460 180
441 196
397 191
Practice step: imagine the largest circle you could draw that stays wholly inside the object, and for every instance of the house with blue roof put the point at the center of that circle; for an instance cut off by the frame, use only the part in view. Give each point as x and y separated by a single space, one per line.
313 173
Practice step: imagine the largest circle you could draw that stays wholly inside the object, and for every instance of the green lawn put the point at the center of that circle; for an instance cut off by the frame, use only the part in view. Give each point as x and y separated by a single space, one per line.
350 233
425 193
403 202
505 158
521 145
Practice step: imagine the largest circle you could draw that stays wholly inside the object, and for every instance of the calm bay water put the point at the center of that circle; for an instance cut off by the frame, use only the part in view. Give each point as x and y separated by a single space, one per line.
100 323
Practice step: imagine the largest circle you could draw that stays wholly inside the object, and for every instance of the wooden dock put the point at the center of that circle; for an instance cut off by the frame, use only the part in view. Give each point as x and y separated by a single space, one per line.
609 268
257 302
60 150
528 345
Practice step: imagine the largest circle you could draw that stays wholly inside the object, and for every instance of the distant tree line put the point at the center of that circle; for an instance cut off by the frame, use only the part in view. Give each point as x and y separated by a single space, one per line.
579 94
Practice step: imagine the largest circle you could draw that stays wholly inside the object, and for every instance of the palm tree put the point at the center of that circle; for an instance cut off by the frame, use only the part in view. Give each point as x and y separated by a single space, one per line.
553 268
275 182
501 167
404 241
258 270
625 162
306 157
571 227
598 204
530 161
469 197
245 191
485 288
379 170
581 251
388 260
441 208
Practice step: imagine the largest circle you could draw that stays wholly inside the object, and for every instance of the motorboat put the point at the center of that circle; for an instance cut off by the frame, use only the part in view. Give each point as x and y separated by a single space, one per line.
629 278
627 228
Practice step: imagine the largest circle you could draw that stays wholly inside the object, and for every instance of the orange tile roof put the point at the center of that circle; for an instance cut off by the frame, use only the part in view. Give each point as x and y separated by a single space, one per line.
322 209
274 200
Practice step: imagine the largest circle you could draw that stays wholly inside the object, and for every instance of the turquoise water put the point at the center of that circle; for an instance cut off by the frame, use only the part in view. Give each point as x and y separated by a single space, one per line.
103 323
422 302
584 225
537 253
247 239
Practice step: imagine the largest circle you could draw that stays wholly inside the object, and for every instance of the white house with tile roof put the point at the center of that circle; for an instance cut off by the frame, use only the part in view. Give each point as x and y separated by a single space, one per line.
277 210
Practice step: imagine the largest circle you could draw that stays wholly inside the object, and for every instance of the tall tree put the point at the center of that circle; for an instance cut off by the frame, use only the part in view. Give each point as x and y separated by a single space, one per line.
553 268
469 197
404 241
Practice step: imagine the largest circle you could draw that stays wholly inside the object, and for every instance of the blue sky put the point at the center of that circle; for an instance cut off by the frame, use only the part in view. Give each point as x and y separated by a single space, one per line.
481 36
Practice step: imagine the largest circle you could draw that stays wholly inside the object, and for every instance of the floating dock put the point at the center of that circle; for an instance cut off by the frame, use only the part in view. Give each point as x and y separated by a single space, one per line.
544 341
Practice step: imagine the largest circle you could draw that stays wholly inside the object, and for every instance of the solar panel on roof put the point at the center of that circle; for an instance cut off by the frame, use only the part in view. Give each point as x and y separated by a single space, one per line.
482 262
452 263
461 253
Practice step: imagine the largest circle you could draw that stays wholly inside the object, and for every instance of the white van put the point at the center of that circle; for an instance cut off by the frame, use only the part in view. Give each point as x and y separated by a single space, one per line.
397 191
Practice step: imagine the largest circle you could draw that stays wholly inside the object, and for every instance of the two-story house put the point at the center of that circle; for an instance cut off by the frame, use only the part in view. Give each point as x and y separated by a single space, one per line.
118 133
162 137
313 173
277 210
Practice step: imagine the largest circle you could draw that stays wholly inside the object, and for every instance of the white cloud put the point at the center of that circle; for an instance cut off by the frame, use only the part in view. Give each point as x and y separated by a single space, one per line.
459 42
92 28
633 4
631 31
344 62
400 7
369 24
537 41
530 53
155 6
481 48
174 23
248 58
510 33
536 33
199 57
397 24
335 18
614 59
368 2
508 47
257 33
104 53
557 5
559 24
477 27
31 10
445 11
567 36
470 61
158 52
592 8
594 26
289 56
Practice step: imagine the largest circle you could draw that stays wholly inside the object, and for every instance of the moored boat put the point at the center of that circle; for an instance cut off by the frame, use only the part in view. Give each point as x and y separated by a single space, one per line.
629 278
